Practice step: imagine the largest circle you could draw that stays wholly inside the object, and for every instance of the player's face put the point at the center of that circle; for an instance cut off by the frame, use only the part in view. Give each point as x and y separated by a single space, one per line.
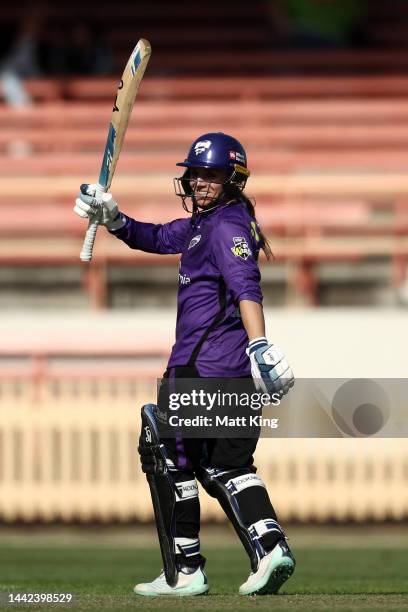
207 184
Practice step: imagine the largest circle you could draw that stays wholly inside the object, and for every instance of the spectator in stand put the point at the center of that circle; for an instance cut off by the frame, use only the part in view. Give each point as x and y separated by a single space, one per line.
53 50
21 61
86 52
77 51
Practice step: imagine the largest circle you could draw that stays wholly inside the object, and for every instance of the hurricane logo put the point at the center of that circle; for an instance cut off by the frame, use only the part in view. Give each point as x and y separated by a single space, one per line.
148 434
194 241
202 146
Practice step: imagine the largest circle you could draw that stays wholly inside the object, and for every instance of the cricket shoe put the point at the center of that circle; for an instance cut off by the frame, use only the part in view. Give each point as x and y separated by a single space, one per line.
193 583
273 570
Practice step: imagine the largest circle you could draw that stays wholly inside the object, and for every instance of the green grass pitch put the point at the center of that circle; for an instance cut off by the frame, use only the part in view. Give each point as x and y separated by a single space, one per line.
338 569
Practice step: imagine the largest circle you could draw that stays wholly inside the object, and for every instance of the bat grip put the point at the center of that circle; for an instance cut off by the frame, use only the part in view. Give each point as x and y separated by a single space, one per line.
90 235
89 240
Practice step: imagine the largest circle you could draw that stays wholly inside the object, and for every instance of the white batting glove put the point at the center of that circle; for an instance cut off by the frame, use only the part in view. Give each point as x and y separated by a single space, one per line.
92 203
269 368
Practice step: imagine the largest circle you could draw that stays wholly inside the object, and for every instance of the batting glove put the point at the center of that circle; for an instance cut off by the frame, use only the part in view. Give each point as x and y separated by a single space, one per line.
269 368
92 203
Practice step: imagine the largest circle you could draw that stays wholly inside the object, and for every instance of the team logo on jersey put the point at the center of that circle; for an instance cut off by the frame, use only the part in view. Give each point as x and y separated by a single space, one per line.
201 146
241 248
194 241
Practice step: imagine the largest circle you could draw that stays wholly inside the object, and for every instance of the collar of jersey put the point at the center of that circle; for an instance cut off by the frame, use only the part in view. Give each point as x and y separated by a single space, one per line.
205 214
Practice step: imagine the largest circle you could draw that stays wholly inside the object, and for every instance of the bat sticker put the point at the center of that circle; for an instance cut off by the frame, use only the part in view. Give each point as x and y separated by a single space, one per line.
136 62
115 108
108 155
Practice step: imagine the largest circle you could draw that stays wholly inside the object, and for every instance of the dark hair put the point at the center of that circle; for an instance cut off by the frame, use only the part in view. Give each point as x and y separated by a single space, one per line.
237 194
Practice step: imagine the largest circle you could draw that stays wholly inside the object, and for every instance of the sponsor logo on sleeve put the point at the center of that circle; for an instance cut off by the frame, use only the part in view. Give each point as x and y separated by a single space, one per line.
194 241
241 248
201 146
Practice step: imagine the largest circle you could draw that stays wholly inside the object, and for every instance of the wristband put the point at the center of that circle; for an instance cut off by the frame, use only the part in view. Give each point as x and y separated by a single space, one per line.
117 223
255 344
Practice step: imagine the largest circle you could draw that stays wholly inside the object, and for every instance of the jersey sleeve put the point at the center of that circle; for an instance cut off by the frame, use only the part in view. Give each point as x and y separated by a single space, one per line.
236 253
154 238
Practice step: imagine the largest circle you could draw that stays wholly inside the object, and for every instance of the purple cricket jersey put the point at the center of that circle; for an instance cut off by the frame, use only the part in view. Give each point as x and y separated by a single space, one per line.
218 269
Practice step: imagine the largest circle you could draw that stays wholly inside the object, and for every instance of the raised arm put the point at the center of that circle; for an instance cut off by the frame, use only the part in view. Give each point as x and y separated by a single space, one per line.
153 238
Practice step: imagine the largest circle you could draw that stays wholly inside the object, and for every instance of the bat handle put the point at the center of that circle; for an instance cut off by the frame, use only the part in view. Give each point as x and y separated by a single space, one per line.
89 240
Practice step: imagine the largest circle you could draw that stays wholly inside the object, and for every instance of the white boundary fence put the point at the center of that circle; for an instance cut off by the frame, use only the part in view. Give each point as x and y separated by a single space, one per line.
68 450
68 437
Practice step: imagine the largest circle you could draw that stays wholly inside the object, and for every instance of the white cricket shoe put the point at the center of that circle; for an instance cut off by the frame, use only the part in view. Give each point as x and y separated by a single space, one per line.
274 569
187 584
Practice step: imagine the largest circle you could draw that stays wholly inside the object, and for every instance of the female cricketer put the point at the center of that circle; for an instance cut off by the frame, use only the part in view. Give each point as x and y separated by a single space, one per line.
220 333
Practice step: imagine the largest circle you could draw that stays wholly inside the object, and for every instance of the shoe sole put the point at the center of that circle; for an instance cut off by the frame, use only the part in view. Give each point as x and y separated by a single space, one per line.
277 577
204 591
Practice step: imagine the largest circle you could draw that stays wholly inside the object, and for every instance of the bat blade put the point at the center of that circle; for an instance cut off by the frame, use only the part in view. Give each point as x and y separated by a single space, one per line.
122 109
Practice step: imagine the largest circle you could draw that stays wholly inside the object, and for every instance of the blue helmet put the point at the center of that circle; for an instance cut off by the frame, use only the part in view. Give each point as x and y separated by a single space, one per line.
220 151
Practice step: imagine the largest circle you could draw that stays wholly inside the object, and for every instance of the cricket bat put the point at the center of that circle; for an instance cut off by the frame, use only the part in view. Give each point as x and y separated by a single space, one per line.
122 108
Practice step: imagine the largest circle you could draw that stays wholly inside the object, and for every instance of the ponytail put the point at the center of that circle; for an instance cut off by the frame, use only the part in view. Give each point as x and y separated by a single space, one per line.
231 191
